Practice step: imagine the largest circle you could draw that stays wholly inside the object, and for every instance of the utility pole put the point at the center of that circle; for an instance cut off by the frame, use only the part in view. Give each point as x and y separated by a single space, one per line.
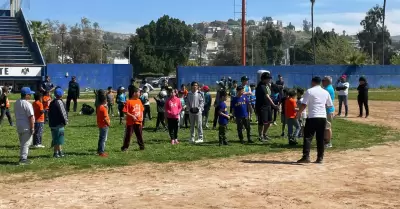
62 47
244 32
252 49
372 52
129 54
383 32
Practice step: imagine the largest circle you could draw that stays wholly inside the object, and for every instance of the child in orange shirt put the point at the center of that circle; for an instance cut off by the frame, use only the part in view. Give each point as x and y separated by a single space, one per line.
46 103
38 111
291 119
134 119
103 122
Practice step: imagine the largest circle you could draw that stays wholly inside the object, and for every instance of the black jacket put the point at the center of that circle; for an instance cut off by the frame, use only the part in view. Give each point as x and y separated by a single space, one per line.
57 113
73 89
363 91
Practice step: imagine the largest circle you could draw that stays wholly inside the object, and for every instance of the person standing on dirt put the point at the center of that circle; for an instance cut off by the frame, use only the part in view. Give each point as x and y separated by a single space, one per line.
342 87
317 100
264 105
362 97
73 93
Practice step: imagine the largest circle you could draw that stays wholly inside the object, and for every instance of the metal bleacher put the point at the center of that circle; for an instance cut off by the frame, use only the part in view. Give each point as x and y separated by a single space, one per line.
13 50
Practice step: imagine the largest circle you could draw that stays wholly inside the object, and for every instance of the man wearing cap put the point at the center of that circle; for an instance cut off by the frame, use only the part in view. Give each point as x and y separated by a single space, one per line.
73 93
58 119
343 87
317 100
25 122
264 105
47 85
327 84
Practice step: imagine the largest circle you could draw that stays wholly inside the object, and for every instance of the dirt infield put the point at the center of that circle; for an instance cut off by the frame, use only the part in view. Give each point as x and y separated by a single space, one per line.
365 178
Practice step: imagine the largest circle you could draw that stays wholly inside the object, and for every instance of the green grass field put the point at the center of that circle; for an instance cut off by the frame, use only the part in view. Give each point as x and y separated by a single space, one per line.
82 136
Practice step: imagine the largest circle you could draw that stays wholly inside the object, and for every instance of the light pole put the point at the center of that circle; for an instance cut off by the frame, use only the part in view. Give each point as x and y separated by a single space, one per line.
129 54
294 53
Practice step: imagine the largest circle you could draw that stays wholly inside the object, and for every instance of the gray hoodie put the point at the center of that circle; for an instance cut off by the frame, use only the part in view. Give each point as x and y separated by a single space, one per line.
195 100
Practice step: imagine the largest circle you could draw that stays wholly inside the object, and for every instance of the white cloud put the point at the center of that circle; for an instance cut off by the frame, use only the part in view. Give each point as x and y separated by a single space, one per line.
348 21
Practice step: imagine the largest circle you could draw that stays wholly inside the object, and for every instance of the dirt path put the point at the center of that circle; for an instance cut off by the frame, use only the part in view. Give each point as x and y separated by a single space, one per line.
366 178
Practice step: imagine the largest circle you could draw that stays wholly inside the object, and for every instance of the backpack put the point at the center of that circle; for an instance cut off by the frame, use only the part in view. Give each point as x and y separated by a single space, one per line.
87 110
143 99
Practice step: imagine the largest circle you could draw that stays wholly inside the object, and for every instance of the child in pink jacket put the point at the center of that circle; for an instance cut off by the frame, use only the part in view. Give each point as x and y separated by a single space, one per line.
173 108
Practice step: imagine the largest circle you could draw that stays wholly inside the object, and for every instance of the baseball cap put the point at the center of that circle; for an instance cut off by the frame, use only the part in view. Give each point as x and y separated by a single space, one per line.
244 78
59 92
327 78
206 88
26 91
266 75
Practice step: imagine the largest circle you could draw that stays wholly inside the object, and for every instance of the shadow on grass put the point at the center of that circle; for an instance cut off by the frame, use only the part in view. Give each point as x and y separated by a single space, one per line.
273 162
5 162
9 146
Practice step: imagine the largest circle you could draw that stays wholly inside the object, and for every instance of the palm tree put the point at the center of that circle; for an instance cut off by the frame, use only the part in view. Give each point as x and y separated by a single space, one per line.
383 32
312 29
40 32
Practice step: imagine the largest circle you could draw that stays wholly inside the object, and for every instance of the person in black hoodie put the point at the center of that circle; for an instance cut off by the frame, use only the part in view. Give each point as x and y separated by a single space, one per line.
73 93
58 119
362 97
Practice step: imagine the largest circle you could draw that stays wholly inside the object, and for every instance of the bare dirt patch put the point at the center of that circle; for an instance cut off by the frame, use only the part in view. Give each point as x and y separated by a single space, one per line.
365 178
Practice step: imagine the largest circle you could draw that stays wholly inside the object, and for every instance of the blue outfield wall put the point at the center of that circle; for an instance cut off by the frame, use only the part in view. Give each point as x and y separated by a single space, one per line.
376 75
93 76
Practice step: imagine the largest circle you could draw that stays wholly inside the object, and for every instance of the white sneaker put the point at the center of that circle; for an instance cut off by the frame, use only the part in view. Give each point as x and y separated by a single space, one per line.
40 146
328 145
198 141
274 123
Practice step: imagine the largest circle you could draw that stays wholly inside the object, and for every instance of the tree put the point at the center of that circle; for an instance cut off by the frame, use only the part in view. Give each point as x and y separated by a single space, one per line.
312 28
251 22
395 60
41 34
290 26
306 26
375 32
159 47
270 41
337 50
233 22
231 55
267 19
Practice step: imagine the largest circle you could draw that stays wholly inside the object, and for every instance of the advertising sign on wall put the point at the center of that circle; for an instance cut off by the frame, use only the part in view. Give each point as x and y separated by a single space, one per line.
20 71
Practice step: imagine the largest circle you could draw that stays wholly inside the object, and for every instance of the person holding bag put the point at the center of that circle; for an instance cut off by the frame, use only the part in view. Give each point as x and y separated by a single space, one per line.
195 103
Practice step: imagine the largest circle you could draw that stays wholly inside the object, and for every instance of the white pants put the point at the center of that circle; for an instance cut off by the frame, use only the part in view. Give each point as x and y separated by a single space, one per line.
196 122
25 140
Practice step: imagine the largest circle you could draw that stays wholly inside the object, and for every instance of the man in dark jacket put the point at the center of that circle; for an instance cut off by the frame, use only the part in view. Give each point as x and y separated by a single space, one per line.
73 93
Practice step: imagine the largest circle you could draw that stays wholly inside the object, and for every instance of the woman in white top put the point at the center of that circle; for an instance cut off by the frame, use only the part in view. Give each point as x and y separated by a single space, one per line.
342 87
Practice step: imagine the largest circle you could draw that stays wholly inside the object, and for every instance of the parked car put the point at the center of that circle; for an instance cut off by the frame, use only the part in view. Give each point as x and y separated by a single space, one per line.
157 83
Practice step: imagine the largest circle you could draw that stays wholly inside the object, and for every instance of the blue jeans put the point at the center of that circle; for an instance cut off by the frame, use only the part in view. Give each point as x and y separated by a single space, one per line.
293 122
37 135
103 132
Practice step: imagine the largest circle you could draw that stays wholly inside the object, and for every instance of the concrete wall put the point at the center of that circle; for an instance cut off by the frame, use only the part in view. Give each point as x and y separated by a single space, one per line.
301 76
93 76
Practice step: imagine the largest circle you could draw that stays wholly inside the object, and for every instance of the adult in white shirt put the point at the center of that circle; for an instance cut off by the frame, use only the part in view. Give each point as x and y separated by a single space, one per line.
316 100
25 120
342 87
145 83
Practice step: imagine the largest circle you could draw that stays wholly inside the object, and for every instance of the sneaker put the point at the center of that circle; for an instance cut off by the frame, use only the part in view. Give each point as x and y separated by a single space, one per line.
141 148
319 160
172 142
224 142
24 162
283 134
360 116
198 141
56 155
176 141
304 160
274 124
124 149
241 141
292 142
260 139
103 154
266 138
34 146
328 145
40 146
250 141
61 153
366 116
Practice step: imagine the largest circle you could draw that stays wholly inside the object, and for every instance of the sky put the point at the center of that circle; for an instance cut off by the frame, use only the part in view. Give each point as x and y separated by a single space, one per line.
124 16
